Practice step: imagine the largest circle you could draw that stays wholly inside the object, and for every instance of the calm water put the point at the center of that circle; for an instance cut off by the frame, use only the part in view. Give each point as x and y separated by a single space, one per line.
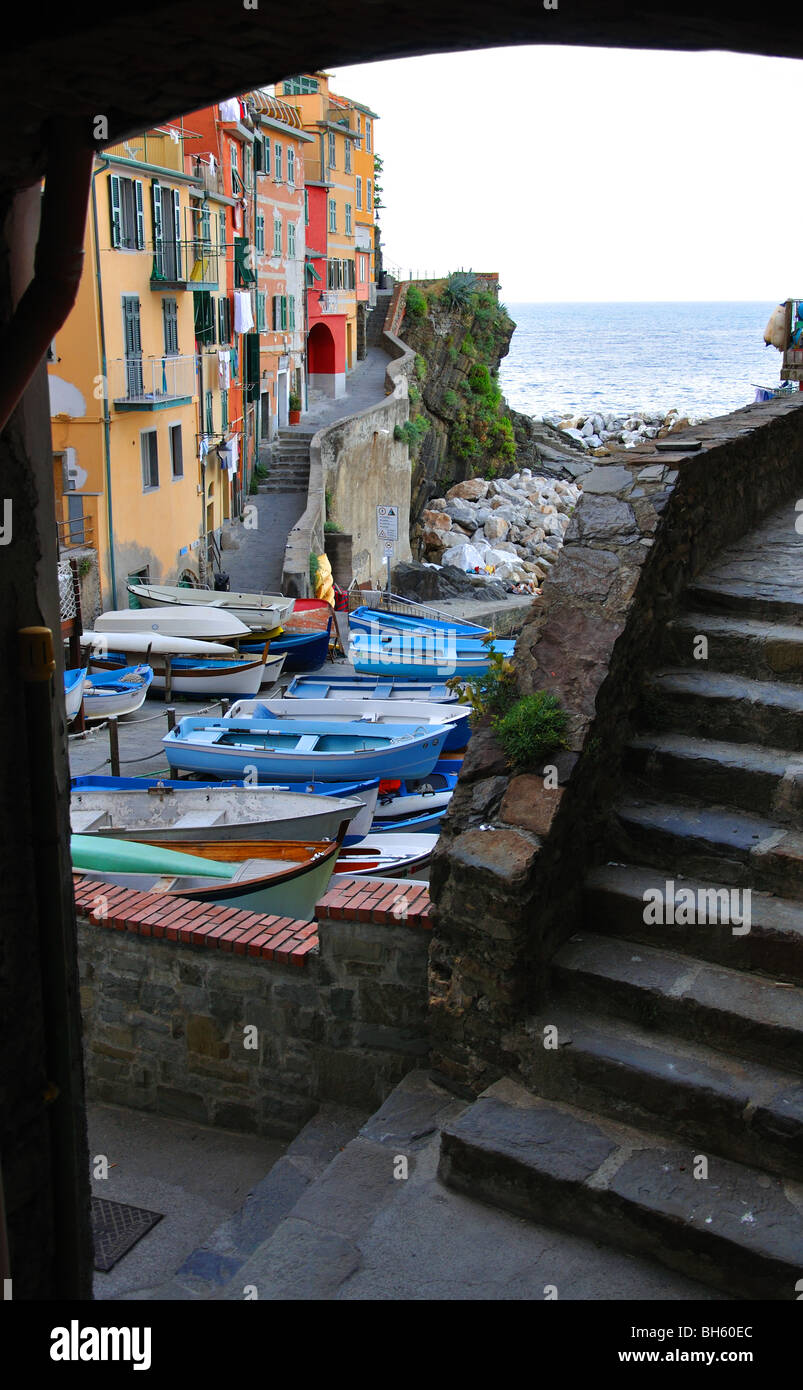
702 358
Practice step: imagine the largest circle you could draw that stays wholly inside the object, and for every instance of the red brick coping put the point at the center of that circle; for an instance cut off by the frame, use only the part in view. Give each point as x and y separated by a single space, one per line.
248 933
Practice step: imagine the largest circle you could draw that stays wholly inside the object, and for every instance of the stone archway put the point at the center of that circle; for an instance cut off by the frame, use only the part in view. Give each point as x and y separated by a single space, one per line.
325 360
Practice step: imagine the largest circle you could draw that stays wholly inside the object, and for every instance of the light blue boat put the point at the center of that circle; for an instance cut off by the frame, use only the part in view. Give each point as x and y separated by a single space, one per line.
74 691
303 749
421 656
368 619
325 687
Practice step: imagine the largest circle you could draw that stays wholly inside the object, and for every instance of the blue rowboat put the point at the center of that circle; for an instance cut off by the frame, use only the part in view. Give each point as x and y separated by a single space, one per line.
302 749
303 651
379 712
74 691
413 825
367 619
324 687
405 797
413 655
116 692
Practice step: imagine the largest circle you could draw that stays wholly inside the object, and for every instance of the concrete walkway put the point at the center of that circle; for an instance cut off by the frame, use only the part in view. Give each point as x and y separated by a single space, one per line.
365 386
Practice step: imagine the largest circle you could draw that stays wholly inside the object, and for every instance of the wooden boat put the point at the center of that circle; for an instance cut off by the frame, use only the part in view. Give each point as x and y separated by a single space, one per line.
201 676
74 692
365 792
400 654
153 644
263 612
381 712
304 651
232 813
302 749
181 620
389 856
368 619
326 687
288 883
116 692
395 856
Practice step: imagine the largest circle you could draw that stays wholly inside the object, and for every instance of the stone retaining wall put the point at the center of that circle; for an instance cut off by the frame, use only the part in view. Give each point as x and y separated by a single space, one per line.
360 463
340 1017
507 874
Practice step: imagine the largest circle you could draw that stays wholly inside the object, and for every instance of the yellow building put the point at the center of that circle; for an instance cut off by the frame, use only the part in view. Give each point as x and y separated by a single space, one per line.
363 118
131 401
332 161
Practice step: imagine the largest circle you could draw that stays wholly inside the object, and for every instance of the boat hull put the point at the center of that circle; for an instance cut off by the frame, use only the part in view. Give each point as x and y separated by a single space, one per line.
74 692
180 620
381 711
303 651
261 612
325 687
367 619
221 814
102 699
190 676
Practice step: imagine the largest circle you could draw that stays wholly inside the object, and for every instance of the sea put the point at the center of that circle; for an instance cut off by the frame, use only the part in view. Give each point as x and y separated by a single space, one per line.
702 359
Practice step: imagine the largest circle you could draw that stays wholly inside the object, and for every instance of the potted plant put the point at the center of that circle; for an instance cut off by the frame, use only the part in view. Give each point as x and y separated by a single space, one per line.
294 404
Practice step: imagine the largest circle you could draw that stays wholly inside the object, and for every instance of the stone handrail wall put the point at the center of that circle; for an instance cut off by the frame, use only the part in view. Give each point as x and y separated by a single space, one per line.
507 895
360 463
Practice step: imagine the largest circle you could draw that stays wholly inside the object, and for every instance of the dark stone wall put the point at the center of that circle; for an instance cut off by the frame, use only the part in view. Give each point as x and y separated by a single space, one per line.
164 1025
508 869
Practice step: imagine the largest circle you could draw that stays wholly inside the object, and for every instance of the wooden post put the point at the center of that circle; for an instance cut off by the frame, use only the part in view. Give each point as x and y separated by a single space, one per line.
168 679
114 745
171 718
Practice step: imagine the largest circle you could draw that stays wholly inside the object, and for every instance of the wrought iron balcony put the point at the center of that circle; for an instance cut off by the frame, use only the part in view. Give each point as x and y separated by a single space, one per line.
185 265
151 383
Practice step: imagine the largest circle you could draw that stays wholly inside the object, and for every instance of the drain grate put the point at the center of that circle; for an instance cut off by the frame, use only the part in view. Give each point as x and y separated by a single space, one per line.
116 1227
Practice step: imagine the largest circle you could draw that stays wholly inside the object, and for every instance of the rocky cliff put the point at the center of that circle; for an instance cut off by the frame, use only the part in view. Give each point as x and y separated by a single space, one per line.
460 424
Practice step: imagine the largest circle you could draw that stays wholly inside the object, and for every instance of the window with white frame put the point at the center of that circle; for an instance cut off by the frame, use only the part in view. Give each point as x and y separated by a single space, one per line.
359 193
368 194
291 166
291 239
332 215
347 157
261 319
149 453
277 162
260 232
127 213
277 236
348 219
368 135
332 150
236 181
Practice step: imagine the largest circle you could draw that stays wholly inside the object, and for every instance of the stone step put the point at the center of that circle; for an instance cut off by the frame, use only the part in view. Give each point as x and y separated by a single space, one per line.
286 487
729 1010
719 846
745 775
685 1091
756 596
760 650
615 903
739 1229
700 701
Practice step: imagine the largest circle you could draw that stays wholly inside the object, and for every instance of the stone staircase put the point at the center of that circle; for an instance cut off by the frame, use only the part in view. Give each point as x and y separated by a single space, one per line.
289 469
665 1113
375 325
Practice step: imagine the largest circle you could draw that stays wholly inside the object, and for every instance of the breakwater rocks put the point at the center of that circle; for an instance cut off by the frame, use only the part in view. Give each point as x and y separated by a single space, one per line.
598 432
509 530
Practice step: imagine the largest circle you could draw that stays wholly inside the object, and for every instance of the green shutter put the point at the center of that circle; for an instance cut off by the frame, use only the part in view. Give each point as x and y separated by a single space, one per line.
158 272
243 274
284 311
251 366
115 210
292 304
140 212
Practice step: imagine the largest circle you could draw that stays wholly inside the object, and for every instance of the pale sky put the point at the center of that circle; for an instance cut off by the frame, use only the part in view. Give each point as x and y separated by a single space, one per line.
592 174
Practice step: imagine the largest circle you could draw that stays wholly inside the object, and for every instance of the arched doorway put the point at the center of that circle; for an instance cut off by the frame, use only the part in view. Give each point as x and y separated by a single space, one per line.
326 358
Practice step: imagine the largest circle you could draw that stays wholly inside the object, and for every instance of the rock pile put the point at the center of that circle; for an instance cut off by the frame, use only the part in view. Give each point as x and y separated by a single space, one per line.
508 529
597 432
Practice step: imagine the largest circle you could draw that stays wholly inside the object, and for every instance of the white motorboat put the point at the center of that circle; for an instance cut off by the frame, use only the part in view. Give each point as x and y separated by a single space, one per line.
262 612
180 620
414 712
387 856
151 644
116 692
200 676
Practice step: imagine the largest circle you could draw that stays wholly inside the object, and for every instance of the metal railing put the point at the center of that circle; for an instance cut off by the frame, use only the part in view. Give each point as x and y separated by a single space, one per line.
190 262
76 531
137 380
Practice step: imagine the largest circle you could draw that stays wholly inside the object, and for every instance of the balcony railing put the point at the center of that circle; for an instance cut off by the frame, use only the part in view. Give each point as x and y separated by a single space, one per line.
78 531
192 264
149 383
212 180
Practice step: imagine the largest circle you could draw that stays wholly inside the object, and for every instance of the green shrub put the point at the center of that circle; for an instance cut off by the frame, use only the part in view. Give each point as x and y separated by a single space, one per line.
420 367
412 432
495 692
415 394
459 288
313 570
450 399
468 347
416 303
453 355
532 727
331 526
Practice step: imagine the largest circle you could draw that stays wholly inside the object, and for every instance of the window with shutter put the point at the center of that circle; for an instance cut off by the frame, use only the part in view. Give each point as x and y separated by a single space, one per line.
306 208
260 233
284 311
115 210
132 340
277 236
348 219
243 272
368 135
332 150
224 319
170 324
291 239
209 413
291 311
332 215
149 454
139 212
368 194
261 324
291 166
221 231
347 157
359 193
204 310
277 162
224 410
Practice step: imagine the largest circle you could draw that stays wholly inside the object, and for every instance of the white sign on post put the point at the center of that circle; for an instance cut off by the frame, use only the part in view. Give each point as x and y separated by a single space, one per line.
387 523
387 547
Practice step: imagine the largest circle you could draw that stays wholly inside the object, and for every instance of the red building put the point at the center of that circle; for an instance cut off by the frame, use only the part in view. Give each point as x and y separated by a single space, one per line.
326 330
